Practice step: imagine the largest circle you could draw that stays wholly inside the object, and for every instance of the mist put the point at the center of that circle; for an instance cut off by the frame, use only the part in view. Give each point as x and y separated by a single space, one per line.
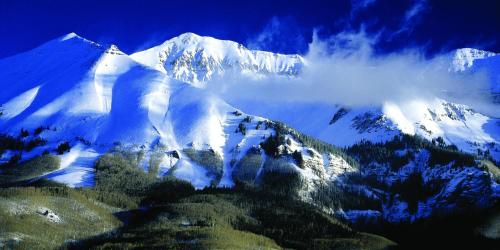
344 70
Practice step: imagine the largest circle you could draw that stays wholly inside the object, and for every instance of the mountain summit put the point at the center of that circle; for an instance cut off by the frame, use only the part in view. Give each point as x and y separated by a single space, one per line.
197 59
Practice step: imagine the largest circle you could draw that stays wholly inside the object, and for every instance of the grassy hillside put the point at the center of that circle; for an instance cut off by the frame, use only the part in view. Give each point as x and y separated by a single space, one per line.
26 224
232 219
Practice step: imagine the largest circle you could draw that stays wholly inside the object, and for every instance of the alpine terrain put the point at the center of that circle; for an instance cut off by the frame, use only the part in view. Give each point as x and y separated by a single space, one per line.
103 149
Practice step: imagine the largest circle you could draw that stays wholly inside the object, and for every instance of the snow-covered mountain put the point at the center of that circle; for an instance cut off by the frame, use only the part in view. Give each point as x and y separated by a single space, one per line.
182 57
344 126
92 95
97 98
72 84
473 60
197 59
464 58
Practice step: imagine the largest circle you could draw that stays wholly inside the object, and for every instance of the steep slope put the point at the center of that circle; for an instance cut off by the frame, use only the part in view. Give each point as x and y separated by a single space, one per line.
94 98
196 59
81 100
78 88
416 179
70 85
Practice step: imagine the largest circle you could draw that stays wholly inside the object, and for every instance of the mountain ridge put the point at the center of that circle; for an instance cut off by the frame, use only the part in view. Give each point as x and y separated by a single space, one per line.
196 59
82 100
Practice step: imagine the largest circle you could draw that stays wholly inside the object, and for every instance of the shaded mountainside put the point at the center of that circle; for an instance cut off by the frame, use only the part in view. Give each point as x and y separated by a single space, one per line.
181 217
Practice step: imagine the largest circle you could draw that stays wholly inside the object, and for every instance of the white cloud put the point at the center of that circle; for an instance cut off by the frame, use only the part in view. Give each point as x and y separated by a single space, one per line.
278 33
266 36
417 7
411 17
344 70
358 5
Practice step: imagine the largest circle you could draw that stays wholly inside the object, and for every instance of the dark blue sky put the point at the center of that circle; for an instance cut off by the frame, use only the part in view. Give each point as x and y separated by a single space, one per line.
281 25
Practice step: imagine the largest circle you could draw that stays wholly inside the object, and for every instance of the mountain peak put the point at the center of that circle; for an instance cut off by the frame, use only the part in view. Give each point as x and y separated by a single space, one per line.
464 58
193 37
192 41
197 59
185 38
114 50
75 38
189 35
70 36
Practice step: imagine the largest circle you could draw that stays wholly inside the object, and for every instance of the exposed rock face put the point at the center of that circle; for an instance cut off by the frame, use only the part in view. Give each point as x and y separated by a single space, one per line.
48 214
